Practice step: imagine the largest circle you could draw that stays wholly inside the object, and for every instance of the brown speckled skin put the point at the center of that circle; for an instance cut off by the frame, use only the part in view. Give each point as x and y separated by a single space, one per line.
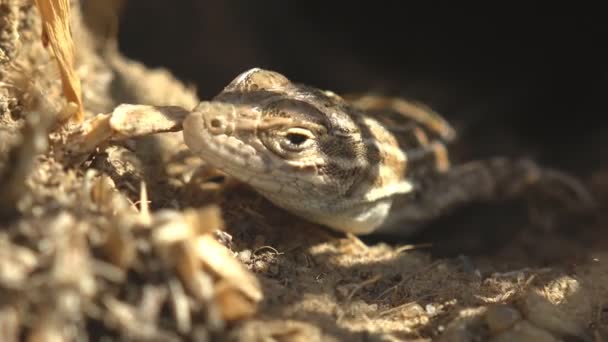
371 164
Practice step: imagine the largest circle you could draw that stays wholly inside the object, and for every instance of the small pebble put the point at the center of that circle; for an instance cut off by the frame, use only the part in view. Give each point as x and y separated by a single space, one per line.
524 331
501 317
544 314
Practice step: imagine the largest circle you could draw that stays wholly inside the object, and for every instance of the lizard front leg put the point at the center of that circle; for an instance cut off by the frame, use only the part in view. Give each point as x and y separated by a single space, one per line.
485 180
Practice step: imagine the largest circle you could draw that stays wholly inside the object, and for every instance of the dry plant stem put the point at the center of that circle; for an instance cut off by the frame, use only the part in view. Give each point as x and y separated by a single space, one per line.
126 121
57 32
130 120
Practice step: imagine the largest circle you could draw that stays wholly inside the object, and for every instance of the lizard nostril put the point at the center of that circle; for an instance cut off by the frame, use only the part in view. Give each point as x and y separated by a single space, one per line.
216 123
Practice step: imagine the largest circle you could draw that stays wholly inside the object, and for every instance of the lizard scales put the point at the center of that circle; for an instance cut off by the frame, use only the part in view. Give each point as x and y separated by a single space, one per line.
359 166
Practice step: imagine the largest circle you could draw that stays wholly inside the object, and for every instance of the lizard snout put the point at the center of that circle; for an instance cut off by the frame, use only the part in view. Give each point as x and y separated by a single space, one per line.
218 119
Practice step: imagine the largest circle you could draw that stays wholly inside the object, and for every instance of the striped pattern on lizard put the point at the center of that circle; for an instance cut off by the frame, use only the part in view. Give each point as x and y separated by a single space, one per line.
363 165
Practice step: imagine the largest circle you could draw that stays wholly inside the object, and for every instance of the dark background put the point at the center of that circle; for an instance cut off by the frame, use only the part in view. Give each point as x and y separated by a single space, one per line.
514 81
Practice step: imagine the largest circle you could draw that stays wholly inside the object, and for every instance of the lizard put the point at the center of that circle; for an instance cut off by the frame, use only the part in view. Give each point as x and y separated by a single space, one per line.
356 165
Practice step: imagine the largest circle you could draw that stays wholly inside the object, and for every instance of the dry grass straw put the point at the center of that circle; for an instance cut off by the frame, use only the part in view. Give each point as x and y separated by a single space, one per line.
57 32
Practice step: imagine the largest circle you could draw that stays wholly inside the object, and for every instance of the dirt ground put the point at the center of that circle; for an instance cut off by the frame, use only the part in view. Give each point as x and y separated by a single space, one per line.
483 274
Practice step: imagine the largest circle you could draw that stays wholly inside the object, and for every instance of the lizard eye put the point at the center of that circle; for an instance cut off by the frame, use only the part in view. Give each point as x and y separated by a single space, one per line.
297 139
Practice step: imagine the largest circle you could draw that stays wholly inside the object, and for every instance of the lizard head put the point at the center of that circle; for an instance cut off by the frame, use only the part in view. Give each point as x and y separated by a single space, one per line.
301 147
276 135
